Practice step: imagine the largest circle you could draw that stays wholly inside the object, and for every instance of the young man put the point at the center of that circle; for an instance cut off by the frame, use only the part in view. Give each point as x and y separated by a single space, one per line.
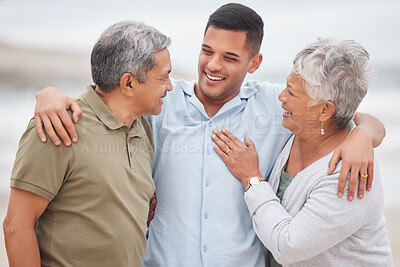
199 220
87 204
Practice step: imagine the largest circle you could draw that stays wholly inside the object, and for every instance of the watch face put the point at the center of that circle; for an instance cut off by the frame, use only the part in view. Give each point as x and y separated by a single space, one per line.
254 180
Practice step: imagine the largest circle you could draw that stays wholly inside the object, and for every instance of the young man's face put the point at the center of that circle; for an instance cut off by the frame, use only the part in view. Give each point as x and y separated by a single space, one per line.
223 64
152 92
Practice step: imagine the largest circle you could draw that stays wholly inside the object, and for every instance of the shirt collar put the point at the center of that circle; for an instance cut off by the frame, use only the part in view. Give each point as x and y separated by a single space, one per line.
246 91
100 108
190 88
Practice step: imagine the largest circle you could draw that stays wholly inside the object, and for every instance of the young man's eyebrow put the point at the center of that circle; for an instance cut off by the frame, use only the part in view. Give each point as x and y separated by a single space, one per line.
232 54
228 53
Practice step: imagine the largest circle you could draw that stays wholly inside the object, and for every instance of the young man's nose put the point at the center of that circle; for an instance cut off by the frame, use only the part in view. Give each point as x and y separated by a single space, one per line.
214 64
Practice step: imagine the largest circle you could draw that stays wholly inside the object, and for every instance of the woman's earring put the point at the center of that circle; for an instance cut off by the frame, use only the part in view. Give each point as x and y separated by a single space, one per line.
322 128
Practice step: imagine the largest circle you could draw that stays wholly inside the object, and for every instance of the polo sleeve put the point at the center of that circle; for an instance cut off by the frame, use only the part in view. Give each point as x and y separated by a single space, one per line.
40 168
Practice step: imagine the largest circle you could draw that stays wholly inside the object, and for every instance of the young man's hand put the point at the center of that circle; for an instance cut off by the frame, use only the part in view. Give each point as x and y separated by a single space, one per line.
51 112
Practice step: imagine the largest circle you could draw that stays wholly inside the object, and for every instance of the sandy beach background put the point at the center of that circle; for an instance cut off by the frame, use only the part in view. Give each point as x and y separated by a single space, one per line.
51 47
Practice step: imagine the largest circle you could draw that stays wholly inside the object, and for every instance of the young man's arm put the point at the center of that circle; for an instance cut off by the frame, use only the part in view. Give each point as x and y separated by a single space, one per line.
24 209
357 155
51 112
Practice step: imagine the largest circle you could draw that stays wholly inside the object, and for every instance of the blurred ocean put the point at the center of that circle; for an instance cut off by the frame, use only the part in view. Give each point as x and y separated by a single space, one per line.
45 43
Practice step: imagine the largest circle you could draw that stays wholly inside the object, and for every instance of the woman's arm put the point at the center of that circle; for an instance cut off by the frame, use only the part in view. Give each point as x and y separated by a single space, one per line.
324 221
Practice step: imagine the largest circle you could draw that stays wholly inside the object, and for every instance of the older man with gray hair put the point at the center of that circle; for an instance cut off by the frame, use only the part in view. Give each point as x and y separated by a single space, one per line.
87 204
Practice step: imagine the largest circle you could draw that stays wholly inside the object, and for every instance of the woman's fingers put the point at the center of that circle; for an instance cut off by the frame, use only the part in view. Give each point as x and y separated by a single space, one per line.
222 135
233 138
221 154
220 143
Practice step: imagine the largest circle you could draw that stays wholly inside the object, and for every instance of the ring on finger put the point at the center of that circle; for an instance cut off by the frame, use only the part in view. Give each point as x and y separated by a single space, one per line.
364 176
227 151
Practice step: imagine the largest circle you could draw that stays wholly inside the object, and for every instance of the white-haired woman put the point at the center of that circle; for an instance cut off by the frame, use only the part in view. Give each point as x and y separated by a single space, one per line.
297 213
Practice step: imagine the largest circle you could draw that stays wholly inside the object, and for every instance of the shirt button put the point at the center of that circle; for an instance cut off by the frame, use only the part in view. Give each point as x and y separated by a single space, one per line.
207 183
206 216
205 248
210 123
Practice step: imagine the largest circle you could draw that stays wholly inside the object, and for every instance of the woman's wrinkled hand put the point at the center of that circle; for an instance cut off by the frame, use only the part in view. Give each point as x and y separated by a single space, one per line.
241 159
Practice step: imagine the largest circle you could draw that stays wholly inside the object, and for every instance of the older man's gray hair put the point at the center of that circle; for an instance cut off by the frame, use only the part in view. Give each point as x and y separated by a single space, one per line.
336 71
125 47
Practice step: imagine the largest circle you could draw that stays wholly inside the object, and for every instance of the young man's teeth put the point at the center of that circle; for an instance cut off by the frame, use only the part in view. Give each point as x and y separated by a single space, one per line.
214 78
287 113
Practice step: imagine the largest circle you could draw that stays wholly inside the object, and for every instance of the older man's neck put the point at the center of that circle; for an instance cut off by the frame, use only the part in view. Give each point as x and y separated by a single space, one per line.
119 106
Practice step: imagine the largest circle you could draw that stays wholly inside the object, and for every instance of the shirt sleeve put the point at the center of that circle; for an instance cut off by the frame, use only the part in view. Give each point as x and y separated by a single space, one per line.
324 221
40 168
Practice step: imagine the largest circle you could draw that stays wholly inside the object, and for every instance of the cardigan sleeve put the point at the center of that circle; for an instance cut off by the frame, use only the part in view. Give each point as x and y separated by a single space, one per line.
324 220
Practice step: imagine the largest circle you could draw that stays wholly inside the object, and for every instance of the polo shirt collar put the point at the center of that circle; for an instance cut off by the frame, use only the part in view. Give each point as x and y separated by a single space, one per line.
100 108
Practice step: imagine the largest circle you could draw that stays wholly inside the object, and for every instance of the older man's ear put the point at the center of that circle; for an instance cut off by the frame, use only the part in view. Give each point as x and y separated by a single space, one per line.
127 84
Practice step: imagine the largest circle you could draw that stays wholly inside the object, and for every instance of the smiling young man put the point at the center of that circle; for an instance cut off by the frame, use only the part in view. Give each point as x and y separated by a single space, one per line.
223 64
199 219
87 204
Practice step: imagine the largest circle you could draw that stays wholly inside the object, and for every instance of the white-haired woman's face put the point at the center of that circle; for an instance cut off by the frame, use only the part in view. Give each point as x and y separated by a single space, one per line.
298 116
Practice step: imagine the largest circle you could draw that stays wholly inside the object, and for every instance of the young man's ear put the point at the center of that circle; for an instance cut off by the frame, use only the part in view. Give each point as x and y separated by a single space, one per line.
127 84
254 63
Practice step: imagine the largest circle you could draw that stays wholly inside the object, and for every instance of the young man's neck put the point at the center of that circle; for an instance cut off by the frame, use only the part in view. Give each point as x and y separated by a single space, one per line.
211 106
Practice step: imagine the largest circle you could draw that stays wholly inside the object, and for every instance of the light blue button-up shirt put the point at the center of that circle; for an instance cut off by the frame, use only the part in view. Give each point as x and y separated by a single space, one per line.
201 218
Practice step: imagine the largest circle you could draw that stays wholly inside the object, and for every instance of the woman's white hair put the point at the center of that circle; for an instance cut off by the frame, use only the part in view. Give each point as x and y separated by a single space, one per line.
336 71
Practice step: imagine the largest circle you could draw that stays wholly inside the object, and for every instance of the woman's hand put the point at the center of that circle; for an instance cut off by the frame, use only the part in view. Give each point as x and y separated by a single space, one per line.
241 159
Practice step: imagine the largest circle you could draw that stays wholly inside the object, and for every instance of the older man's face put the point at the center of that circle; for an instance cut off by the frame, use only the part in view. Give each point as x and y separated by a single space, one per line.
157 84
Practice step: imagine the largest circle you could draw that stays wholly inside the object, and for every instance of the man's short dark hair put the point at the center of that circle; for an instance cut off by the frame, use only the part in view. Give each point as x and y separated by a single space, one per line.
237 17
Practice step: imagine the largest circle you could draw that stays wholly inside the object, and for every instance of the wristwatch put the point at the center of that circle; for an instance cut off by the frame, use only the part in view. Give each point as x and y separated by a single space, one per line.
254 180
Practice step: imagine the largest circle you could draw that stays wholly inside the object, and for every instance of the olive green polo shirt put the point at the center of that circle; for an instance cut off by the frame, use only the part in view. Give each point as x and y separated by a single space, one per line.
99 189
